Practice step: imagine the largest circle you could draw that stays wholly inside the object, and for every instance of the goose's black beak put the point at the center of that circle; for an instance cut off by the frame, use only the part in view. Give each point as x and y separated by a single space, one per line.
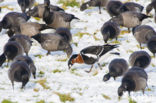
115 53
76 18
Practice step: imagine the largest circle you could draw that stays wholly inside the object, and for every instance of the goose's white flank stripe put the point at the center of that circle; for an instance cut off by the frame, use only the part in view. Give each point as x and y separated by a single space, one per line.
91 55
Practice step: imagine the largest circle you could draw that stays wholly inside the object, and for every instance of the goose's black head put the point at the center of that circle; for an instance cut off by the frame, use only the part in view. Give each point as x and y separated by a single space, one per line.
70 61
37 37
40 10
106 32
65 33
69 50
149 8
11 51
33 70
127 85
106 37
48 16
33 12
2 59
46 2
133 29
1 26
143 16
121 89
106 77
123 9
25 79
83 7
5 23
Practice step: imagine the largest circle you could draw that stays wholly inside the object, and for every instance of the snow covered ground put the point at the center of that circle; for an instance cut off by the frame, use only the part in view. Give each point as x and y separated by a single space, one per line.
53 76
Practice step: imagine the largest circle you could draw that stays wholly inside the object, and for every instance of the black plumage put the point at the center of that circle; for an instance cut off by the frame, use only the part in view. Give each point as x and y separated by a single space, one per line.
25 41
19 71
24 4
151 6
12 21
65 33
110 30
39 10
134 80
113 7
30 63
53 19
10 51
117 67
55 42
143 33
140 58
131 6
151 45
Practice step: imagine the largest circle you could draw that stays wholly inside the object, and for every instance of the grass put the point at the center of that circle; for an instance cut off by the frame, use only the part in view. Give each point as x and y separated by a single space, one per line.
95 38
71 3
149 89
106 97
7 101
65 97
124 32
7 7
36 90
36 3
131 100
62 60
41 101
36 18
39 56
138 46
130 51
116 42
43 82
95 73
153 65
76 44
73 72
41 74
80 34
57 71
104 64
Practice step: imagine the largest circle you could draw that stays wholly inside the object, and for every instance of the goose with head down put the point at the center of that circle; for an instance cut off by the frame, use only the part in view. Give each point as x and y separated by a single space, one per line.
19 71
134 80
117 67
90 55
10 51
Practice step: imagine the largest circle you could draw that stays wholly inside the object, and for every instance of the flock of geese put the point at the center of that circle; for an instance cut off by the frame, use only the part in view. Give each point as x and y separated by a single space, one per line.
128 14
